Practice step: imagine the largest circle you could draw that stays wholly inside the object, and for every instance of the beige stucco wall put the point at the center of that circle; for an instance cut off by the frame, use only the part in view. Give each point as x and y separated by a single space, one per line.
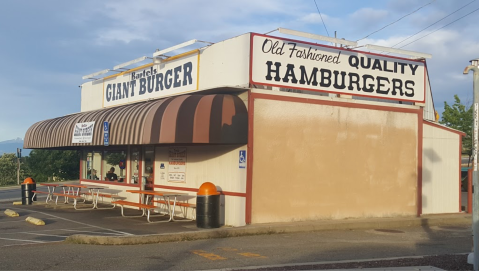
316 161
209 163
440 167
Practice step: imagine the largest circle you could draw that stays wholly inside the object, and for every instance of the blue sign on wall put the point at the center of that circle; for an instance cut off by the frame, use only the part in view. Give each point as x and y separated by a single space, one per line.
242 159
106 133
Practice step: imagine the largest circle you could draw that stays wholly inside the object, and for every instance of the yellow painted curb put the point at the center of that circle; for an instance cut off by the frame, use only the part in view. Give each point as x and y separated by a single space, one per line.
35 221
17 203
11 213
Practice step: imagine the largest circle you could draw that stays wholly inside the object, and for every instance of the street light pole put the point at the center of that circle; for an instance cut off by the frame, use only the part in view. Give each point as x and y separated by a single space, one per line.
475 181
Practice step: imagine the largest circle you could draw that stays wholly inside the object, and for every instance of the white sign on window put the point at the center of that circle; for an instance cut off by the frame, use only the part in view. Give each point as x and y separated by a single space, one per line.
177 165
83 132
308 66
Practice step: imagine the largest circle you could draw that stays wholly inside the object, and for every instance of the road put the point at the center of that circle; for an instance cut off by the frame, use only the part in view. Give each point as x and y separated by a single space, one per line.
240 252
13 193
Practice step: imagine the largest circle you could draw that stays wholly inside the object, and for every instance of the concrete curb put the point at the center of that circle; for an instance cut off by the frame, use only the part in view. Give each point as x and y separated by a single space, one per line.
275 228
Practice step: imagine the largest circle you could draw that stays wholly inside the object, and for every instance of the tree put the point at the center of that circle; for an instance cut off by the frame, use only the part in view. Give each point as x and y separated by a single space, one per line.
46 164
8 169
460 118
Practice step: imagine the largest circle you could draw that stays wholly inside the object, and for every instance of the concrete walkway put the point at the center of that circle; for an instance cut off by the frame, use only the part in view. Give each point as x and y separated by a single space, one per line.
276 228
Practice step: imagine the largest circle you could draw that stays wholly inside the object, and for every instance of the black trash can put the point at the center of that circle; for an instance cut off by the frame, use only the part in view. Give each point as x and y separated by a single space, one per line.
208 207
28 186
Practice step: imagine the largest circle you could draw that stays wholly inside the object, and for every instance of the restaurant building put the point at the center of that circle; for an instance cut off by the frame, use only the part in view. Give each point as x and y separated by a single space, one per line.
288 130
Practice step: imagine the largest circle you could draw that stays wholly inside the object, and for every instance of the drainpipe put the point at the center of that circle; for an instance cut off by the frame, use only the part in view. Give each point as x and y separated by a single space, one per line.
475 181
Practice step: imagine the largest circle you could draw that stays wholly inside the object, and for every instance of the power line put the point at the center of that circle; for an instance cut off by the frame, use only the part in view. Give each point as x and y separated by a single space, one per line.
434 23
322 17
397 20
441 27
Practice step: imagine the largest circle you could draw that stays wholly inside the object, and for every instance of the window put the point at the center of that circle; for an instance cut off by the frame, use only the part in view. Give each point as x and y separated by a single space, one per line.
91 165
114 165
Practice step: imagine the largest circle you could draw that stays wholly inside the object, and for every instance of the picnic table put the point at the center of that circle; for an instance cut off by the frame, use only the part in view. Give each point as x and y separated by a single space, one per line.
146 207
73 191
51 189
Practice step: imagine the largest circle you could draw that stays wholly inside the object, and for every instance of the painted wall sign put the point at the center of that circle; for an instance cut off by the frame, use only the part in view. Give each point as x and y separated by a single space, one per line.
83 132
177 165
169 78
300 65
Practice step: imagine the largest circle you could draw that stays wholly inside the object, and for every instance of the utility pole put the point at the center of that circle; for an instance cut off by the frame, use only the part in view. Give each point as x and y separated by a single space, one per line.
19 156
475 181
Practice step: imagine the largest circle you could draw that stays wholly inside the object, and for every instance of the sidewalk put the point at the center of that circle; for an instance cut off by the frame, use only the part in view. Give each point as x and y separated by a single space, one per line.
274 228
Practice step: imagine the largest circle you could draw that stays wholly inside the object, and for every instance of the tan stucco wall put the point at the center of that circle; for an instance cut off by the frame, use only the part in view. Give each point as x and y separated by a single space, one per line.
316 161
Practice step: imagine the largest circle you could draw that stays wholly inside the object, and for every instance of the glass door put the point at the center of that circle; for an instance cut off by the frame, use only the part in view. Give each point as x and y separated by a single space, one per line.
134 165
148 168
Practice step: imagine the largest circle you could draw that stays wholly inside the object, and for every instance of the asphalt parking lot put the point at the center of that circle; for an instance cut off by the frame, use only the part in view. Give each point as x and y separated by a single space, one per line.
62 221
108 227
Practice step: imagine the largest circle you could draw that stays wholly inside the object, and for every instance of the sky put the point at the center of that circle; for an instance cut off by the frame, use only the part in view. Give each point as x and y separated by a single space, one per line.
46 46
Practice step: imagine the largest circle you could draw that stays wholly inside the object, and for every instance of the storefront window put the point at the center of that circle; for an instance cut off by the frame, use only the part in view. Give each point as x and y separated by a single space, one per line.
114 166
134 164
87 158
92 165
148 174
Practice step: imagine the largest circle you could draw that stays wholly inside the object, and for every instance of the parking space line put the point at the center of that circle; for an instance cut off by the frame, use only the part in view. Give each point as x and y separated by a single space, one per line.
95 232
21 240
252 255
26 244
27 232
81 223
209 256
46 234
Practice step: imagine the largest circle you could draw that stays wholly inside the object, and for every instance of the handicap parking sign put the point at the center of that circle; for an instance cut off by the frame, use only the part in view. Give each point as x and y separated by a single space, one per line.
242 159
106 133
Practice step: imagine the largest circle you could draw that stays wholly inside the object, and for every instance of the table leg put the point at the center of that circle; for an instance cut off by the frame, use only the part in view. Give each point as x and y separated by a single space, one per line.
64 192
51 194
95 203
172 217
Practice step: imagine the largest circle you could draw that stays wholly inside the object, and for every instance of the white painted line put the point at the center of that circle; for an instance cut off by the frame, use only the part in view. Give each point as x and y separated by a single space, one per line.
81 223
46 234
21 240
13 245
27 232
95 232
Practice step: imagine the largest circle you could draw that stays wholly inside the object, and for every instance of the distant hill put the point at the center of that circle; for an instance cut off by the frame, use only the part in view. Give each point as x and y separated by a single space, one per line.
10 146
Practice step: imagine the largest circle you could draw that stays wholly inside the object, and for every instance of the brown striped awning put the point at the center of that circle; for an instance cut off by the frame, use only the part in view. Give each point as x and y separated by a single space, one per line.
214 119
